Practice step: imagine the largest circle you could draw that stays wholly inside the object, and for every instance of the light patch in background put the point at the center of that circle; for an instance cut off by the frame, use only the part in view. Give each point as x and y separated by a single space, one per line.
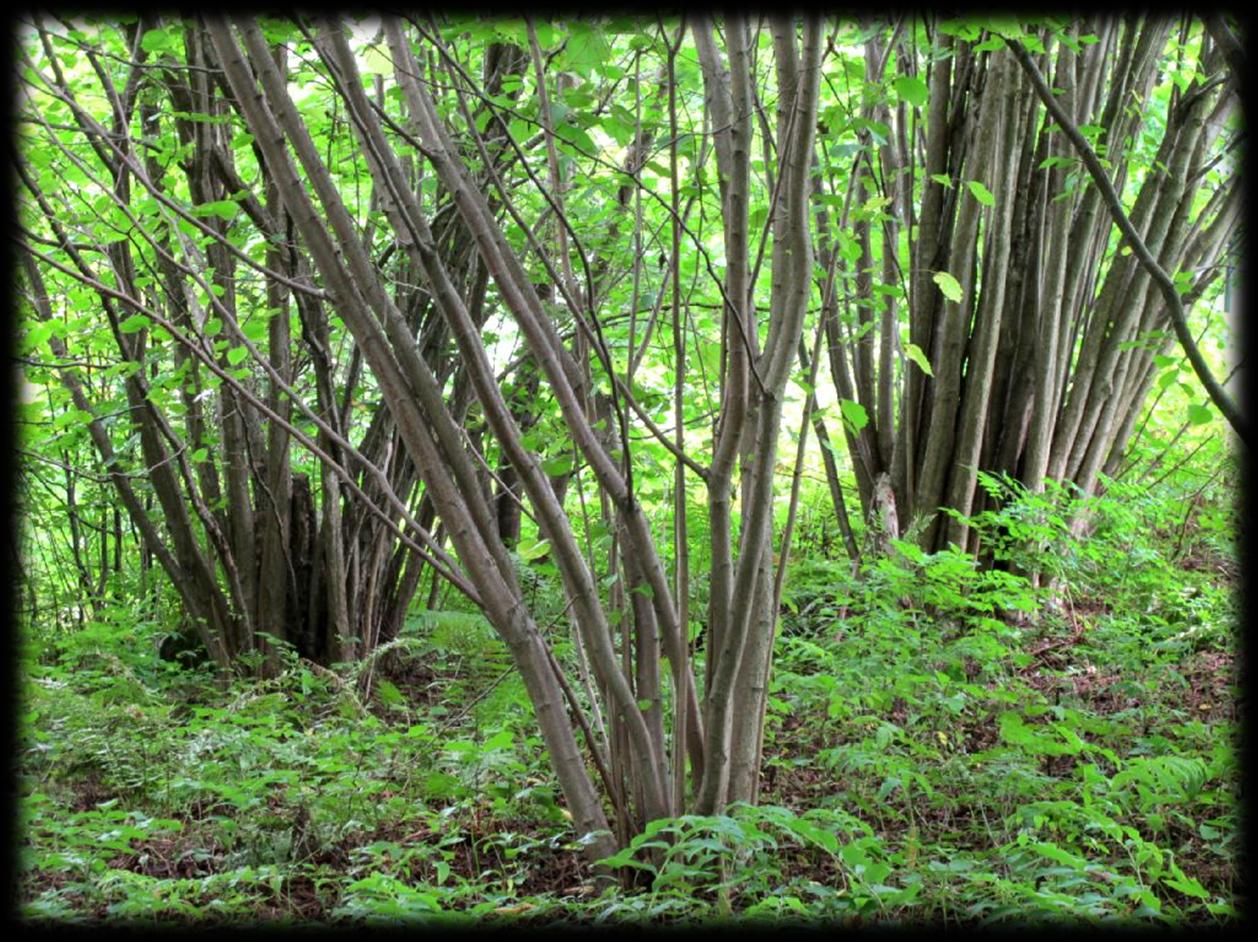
366 29
28 392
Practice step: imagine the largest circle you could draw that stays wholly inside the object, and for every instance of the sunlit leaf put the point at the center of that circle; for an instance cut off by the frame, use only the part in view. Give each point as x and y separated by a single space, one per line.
1198 414
914 353
157 41
531 551
981 193
854 413
911 89
223 209
950 287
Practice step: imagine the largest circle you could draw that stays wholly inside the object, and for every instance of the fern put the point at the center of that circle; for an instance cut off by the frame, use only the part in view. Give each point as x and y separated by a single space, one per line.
466 633
1161 779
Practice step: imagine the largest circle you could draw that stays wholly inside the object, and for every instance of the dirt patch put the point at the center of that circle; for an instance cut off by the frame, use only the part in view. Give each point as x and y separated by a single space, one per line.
187 854
88 793
536 861
413 676
1213 678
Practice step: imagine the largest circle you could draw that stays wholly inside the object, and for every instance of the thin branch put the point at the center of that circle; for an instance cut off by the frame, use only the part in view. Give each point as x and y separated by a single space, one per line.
450 574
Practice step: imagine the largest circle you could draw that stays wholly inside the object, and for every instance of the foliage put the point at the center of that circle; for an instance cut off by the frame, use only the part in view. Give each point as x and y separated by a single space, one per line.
1017 701
990 776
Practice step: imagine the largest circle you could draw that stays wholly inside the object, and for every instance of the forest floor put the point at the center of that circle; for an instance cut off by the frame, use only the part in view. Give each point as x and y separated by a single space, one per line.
945 745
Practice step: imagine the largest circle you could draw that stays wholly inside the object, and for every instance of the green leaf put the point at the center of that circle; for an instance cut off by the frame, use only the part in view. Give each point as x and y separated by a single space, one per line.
981 193
38 334
950 287
1062 856
942 179
389 694
545 34
586 49
134 324
1007 26
557 466
877 130
223 209
849 248
810 831
619 129
914 353
1189 886
1039 740
236 354
961 28
499 740
200 455
575 137
1031 41
644 589
255 329
157 41
911 89
1198 414
854 413
72 417
531 551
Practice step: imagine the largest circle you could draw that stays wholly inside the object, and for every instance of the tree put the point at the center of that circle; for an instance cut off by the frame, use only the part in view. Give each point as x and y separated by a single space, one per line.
1034 333
518 253
249 554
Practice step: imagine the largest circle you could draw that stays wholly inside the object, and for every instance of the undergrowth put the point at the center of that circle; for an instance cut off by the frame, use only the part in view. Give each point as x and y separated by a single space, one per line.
948 742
